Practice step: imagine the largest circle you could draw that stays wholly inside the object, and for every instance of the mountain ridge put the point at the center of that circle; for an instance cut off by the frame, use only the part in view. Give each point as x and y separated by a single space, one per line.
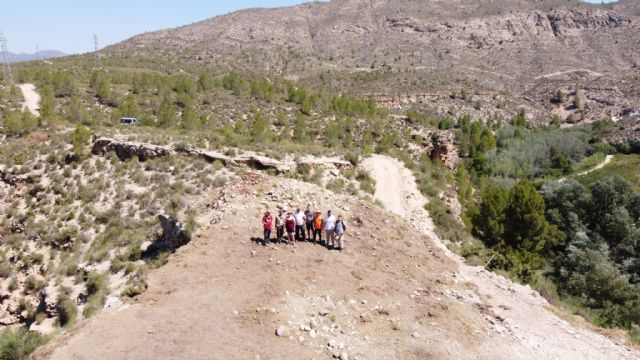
40 55
352 34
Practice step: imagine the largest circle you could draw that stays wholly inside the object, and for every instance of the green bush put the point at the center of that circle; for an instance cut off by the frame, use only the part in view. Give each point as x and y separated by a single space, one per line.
67 310
136 284
18 344
303 169
337 185
367 183
97 290
353 158
96 283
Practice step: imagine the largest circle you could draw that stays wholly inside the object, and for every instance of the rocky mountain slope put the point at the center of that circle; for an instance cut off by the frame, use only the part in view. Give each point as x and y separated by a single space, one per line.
505 54
541 36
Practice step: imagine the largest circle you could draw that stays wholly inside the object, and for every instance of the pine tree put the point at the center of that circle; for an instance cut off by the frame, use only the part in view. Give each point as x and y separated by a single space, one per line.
76 112
11 123
190 118
166 112
259 127
526 229
129 107
78 139
47 103
489 221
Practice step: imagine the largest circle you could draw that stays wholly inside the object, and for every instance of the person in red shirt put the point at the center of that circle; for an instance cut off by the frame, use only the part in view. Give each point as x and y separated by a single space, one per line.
290 225
267 224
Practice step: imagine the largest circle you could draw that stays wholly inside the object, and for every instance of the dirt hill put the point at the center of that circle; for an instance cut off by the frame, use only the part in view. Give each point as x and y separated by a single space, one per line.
394 294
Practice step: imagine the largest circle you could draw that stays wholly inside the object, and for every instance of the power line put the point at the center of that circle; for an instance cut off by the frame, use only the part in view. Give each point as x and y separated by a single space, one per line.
6 65
96 52
367 63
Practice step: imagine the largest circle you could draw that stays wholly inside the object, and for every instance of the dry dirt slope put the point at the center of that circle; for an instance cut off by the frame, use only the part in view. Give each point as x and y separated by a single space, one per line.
393 295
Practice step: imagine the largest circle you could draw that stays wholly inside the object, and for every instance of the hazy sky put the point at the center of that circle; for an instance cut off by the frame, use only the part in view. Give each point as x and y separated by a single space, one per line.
68 25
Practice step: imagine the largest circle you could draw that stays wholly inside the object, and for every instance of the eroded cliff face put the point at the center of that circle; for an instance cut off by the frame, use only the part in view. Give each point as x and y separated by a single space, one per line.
498 29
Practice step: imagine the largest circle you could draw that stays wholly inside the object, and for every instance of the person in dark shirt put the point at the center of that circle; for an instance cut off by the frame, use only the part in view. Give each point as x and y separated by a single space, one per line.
308 214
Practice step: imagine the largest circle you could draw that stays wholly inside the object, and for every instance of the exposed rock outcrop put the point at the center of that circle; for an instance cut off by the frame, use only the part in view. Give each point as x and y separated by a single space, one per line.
49 300
440 145
443 147
17 227
174 235
129 149
13 180
10 310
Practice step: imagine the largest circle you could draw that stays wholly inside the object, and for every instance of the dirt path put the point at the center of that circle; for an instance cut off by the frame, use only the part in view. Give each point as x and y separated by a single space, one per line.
558 73
529 330
398 192
31 98
604 163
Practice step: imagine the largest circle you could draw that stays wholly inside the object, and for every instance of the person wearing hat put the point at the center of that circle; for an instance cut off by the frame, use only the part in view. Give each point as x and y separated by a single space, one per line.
267 224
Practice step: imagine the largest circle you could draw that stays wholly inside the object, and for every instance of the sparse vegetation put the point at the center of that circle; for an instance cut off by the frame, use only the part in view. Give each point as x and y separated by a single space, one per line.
18 344
73 213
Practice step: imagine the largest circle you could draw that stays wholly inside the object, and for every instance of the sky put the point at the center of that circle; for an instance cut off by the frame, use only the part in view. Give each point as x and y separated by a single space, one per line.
69 25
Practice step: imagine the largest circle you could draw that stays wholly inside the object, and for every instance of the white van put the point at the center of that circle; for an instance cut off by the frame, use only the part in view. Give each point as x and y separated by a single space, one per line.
129 121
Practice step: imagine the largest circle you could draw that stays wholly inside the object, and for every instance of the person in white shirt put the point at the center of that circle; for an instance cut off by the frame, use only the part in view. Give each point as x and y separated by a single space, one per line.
300 219
330 228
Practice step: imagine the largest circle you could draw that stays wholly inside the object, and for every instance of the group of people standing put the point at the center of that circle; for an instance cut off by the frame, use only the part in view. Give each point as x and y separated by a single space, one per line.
305 226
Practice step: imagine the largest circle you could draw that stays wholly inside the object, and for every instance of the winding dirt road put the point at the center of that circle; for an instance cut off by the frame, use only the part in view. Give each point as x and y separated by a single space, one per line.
31 99
604 163
558 73
530 329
